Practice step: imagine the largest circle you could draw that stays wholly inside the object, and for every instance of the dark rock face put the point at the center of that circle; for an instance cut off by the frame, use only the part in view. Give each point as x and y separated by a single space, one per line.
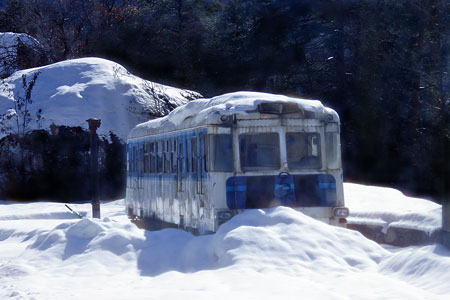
55 166
19 51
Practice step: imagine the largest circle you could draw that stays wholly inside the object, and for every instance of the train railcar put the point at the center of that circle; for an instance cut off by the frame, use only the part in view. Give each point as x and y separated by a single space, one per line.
213 158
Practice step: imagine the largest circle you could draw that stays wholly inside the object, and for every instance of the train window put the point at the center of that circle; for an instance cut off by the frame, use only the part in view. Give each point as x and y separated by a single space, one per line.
303 150
141 160
260 151
194 154
152 158
159 157
167 168
173 156
146 159
181 156
203 152
188 161
333 150
134 159
219 149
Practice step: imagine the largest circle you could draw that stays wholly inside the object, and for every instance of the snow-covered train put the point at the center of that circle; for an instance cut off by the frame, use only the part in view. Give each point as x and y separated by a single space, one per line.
214 158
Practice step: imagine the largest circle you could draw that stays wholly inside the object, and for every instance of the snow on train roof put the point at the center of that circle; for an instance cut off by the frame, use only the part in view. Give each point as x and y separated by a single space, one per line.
198 112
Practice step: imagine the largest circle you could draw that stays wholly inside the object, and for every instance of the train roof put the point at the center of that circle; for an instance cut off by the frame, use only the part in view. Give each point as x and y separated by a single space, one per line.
211 111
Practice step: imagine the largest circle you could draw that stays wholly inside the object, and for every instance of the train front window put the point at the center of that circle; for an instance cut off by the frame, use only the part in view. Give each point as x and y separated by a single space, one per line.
303 150
259 151
219 149
333 149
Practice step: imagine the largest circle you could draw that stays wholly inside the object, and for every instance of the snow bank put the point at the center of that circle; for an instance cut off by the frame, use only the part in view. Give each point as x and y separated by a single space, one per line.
270 252
280 238
72 91
260 254
52 210
284 238
422 266
388 207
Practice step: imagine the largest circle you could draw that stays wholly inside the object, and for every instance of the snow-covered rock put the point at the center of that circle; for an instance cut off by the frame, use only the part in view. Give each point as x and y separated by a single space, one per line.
10 51
70 92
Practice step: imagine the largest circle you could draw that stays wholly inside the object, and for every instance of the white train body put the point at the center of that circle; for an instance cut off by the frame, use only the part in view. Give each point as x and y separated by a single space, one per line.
213 158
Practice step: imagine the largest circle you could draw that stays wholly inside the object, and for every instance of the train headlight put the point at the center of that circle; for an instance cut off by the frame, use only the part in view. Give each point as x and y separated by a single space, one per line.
226 119
341 212
224 215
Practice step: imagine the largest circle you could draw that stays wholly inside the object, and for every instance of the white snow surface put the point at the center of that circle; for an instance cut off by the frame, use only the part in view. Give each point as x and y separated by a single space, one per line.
389 207
200 111
72 91
48 253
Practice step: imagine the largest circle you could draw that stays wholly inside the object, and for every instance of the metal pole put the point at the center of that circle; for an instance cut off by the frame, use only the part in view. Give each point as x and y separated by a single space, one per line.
93 125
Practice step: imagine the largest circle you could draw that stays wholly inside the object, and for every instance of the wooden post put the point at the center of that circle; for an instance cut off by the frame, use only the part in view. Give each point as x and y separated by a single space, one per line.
93 125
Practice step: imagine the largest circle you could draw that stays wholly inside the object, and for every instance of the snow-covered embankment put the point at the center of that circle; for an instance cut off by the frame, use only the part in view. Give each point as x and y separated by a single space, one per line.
388 216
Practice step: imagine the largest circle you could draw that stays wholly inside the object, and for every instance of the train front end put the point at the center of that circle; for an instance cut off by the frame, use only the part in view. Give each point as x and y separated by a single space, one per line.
278 154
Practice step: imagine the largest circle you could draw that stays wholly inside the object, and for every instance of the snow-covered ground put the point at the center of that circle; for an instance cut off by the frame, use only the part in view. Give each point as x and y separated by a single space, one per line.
70 92
387 207
48 253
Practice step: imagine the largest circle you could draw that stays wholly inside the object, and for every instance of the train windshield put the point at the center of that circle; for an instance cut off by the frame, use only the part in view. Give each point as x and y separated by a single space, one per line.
303 150
220 152
260 151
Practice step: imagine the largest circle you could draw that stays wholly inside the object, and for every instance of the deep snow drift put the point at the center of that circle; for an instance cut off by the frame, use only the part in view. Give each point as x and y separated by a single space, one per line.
48 253
72 91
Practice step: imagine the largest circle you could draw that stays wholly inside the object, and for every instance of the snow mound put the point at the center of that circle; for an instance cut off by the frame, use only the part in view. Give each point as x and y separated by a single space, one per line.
285 238
421 266
388 207
70 92
86 229
280 238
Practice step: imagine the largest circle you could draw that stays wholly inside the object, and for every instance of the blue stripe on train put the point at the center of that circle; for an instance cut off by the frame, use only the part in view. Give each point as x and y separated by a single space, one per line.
327 185
284 190
169 177
237 188
236 192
